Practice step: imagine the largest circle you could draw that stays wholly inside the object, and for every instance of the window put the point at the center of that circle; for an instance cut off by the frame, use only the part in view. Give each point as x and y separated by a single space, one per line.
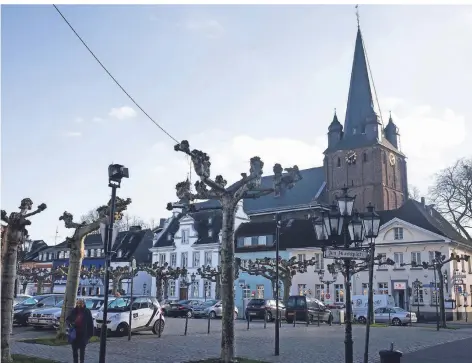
416 258
434 293
210 233
319 261
208 261
259 291
171 288
185 236
398 233
103 252
365 288
418 296
470 265
210 220
431 257
339 293
383 258
61 254
184 260
383 288
196 259
398 258
319 292
301 257
301 289
247 241
262 240
162 259
92 253
99 252
270 240
67 254
240 242
207 289
254 240
119 253
247 292
173 259
463 265
195 289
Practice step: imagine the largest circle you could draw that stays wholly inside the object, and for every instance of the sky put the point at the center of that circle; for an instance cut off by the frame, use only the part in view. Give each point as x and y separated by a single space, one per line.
236 81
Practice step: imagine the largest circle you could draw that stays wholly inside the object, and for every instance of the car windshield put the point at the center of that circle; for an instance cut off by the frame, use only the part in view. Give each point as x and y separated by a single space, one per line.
59 304
209 302
119 304
257 302
20 299
30 301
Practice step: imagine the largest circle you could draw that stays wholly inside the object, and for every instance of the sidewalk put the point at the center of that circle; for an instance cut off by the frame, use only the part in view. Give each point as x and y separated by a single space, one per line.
458 352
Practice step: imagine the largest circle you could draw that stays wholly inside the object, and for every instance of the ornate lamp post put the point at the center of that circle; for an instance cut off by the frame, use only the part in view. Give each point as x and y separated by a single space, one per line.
334 274
417 285
116 173
133 268
144 288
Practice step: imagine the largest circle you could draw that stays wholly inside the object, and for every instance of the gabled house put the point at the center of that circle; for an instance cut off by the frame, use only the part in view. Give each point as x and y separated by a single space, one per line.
191 241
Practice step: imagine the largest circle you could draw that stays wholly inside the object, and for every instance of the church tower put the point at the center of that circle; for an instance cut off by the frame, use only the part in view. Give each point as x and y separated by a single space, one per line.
378 172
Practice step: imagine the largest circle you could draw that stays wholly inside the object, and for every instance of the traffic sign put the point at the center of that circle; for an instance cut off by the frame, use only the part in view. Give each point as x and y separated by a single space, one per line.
348 254
327 296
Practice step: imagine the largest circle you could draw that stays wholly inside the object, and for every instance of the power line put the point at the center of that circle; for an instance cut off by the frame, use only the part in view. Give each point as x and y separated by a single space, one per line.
111 76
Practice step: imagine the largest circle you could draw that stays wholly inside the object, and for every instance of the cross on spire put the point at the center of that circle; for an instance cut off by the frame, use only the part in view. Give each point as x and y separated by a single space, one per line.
357 15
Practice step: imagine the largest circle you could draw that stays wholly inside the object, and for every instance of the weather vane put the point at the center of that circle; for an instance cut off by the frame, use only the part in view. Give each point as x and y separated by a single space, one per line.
357 15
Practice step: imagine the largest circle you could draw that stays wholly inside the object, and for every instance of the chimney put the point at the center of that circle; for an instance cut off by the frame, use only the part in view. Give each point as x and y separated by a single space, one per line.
422 201
135 228
162 222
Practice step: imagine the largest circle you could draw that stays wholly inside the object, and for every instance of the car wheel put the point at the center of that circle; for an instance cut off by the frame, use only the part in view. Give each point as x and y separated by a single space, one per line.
122 329
269 317
396 322
362 320
158 325
212 315
189 313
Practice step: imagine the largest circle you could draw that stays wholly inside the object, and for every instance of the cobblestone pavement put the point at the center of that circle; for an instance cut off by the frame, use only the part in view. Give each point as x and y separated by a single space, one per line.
301 343
457 352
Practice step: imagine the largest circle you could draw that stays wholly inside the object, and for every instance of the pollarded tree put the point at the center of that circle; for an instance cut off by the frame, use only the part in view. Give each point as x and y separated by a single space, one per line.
163 274
287 270
13 237
213 274
120 273
248 187
40 276
76 246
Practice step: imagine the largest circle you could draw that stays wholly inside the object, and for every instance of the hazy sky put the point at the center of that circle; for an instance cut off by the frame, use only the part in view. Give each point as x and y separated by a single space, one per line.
237 81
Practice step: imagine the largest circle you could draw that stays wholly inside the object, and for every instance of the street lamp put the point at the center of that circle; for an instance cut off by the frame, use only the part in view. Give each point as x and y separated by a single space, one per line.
334 274
116 173
133 268
278 221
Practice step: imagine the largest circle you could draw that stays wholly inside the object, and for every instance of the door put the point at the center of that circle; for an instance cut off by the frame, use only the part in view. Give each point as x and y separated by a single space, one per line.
401 299
380 316
183 293
137 315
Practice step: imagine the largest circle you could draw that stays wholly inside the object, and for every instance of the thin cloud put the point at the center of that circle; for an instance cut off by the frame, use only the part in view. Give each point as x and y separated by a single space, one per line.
122 113
79 120
210 28
73 134
97 119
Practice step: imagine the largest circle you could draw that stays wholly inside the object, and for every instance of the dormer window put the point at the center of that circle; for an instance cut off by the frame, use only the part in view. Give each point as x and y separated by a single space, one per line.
169 237
398 233
92 253
119 253
185 236
210 233
67 254
210 220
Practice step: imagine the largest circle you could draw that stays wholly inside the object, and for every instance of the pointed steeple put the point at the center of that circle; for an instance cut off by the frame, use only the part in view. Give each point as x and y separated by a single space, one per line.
391 132
360 106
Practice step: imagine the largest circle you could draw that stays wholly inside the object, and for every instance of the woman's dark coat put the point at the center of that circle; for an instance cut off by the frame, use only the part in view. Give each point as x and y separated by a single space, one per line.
86 333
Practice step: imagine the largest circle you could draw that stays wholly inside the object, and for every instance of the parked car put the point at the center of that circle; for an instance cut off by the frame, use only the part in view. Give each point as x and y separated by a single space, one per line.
165 305
302 308
146 315
20 298
216 310
49 317
260 308
395 316
22 311
182 308
201 310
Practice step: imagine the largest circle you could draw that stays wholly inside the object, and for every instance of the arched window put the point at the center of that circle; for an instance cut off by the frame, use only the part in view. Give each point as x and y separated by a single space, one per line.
339 163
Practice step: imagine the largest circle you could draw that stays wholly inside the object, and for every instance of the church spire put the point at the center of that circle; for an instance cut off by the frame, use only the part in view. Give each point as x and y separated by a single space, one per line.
360 106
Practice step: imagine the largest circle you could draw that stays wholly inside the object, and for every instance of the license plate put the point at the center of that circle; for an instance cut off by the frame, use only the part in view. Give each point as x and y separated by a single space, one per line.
33 320
252 313
174 307
290 313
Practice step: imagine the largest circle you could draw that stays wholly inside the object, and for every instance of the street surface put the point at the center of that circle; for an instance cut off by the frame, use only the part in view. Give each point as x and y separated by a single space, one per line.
301 343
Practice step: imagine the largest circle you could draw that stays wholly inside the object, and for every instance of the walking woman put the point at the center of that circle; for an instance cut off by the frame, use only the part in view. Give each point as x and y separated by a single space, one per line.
81 320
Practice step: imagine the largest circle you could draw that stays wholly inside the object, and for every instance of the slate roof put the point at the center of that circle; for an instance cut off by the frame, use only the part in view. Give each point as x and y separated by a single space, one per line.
37 246
299 233
303 194
134 243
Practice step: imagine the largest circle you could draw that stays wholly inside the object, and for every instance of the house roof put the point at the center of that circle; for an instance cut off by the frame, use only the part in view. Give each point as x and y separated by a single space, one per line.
36 247
134 243
303 194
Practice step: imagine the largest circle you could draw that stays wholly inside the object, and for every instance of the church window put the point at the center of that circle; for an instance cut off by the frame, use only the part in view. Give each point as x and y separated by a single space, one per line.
339 162
364 157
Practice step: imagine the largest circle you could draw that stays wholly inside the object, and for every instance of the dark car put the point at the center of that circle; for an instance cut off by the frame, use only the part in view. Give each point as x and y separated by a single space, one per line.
165 305
302 308
22 311
260 308
182 308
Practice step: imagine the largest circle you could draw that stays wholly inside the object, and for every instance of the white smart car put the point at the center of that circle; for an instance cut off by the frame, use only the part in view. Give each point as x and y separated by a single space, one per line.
146 315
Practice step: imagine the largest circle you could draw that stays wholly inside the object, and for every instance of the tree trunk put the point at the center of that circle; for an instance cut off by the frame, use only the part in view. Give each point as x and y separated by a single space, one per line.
287 286
10 256
39 287
442 310
114 286
72 285
159 289
217 288
166 289
227 280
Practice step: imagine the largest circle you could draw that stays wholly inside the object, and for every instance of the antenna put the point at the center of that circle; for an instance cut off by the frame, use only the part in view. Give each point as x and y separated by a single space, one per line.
56 236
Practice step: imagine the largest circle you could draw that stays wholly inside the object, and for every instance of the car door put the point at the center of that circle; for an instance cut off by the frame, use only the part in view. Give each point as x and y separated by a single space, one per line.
380 315
48 302
138 316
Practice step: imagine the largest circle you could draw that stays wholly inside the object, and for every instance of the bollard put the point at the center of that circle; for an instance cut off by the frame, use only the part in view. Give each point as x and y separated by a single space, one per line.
307 318
159 328
294 318
209 319
265 319
186 324
318 317
390 356
248 319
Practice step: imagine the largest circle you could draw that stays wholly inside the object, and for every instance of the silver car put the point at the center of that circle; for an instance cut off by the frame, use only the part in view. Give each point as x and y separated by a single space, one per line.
215 310
395 316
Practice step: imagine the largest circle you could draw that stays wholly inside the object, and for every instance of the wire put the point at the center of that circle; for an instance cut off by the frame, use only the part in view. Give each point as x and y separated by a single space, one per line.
111 76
